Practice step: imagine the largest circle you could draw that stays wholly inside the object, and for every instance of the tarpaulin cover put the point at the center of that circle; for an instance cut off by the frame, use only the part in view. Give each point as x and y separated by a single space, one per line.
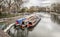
20 20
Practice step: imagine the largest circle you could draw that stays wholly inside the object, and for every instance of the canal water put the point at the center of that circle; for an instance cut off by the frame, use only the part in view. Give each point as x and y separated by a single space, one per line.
47 27
2 25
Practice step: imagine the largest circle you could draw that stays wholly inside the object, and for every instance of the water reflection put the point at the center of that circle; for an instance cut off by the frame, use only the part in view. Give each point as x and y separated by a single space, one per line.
55 19
2 25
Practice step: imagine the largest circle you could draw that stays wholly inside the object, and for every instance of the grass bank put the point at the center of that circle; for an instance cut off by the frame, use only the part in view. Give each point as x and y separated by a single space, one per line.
9 15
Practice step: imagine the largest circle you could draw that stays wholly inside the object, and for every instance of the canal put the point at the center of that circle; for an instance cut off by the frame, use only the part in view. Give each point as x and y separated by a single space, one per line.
49 26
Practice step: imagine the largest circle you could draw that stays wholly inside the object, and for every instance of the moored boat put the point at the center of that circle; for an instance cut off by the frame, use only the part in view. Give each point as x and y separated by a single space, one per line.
29 21
32 20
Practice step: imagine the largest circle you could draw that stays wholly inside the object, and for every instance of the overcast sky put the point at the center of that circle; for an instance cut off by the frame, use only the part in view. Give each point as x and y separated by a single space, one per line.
38 3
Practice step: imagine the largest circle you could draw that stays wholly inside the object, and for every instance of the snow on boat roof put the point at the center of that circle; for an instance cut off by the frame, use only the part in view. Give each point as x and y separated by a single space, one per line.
30 15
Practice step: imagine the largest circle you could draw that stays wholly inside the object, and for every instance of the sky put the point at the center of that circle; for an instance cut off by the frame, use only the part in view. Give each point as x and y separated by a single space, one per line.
43 3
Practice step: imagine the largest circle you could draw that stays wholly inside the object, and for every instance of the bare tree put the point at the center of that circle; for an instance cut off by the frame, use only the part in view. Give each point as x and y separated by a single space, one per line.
8 4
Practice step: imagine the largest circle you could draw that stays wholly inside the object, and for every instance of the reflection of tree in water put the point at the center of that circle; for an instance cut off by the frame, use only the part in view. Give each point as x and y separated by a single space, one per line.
55 18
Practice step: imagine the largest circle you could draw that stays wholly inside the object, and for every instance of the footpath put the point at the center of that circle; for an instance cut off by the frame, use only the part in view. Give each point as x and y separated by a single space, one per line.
10 19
